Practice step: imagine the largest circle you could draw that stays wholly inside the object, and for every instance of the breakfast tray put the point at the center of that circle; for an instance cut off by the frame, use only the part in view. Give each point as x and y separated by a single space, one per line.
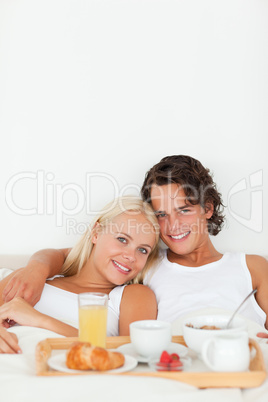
252 378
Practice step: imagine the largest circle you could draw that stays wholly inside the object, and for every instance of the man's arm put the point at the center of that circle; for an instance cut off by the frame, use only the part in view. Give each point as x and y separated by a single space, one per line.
258 267
28 282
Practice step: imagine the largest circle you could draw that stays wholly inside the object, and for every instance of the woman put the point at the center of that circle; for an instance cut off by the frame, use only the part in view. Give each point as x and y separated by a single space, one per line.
118 248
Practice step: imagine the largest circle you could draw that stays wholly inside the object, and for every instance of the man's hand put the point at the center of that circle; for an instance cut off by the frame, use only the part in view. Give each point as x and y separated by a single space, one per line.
27 283
262 335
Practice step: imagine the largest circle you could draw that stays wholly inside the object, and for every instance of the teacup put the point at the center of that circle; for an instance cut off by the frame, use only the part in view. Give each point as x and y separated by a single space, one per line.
227 352
150 337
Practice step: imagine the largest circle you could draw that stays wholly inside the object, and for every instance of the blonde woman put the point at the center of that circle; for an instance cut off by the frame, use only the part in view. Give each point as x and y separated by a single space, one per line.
118 248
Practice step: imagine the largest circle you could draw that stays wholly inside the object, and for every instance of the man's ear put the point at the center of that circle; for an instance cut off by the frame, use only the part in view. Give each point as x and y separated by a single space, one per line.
209 209
95 232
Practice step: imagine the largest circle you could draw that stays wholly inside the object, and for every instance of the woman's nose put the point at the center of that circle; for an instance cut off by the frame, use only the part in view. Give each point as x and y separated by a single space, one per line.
129 255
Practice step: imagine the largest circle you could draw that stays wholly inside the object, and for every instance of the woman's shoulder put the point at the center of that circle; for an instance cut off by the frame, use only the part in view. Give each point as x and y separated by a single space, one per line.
137 290
138 303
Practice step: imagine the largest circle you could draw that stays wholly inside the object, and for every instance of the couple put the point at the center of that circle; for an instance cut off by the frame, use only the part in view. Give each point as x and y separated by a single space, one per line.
188 208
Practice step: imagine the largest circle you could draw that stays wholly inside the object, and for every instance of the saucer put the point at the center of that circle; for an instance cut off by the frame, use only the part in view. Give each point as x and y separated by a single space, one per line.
128 348
58 362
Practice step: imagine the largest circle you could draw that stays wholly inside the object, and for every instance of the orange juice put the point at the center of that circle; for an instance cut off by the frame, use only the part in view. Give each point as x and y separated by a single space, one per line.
92 324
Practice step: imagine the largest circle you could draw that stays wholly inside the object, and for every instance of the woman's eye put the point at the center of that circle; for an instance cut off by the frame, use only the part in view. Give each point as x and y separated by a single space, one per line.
122 239
143 250
160 216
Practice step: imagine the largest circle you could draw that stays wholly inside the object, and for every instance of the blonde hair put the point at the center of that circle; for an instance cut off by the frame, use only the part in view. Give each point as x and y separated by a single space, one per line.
80 253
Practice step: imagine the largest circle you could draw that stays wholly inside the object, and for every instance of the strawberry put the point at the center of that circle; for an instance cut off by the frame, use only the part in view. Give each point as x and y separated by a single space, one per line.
174 356
174 365
169 362
165 357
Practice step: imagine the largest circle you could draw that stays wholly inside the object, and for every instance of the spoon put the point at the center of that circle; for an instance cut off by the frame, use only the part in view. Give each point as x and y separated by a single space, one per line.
240 305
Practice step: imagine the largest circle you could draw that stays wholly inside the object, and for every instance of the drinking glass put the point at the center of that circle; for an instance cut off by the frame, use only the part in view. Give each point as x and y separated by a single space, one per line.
93 308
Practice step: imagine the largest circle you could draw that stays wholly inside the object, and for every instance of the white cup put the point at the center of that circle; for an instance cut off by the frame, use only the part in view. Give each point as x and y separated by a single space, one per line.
227 352
150 337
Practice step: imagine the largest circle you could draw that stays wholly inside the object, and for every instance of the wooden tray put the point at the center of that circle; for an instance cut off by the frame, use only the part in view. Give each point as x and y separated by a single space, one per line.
252 378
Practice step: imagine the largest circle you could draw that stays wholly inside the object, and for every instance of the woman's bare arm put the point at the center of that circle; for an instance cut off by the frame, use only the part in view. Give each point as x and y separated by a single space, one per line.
28 282
138 303
23 313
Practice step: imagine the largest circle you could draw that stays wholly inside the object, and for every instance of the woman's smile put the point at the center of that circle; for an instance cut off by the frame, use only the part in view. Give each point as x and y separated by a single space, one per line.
120 267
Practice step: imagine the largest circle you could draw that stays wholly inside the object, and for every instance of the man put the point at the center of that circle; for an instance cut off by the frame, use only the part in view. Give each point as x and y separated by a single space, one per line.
192 274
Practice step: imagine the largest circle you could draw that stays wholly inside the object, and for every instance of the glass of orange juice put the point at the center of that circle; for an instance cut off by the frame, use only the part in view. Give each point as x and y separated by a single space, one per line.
93 308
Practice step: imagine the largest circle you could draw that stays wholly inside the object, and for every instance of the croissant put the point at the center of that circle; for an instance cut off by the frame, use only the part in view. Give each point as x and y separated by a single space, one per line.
83 356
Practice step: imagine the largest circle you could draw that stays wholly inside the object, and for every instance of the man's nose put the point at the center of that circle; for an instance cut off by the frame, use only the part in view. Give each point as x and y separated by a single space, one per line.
173 223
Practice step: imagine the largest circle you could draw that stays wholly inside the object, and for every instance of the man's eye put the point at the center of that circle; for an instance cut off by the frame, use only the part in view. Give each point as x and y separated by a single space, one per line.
185 211
122 239
143 250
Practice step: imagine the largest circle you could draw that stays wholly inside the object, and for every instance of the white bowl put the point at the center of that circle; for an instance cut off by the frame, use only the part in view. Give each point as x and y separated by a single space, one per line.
195 336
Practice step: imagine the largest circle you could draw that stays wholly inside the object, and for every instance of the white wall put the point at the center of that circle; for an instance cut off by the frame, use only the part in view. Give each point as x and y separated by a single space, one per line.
93 93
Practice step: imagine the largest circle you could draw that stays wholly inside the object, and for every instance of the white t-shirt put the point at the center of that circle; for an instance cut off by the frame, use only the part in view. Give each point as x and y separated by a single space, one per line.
181 290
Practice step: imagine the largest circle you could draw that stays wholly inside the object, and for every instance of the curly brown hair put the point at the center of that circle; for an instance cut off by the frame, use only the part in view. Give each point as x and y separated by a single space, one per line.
196 181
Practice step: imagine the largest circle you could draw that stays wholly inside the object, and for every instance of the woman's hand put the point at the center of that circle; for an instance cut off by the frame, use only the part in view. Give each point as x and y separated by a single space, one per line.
21 312
8 342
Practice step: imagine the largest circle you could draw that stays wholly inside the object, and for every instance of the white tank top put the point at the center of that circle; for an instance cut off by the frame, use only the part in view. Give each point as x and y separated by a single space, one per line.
181 290
63 306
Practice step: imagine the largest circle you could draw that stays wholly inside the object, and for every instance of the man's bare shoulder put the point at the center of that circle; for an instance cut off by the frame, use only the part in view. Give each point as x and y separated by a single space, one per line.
258 268
256 262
